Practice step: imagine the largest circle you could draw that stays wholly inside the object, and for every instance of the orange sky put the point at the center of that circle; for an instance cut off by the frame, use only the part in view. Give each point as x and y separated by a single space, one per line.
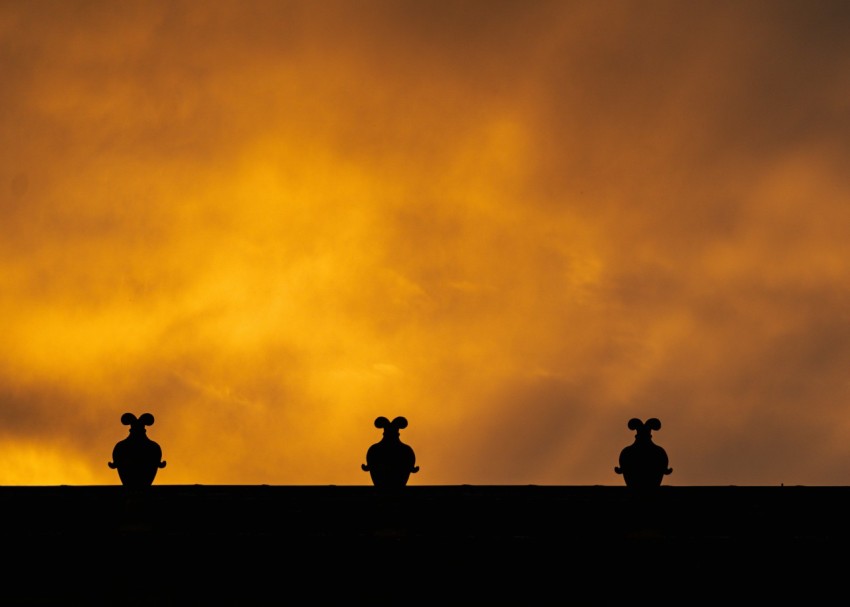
518 224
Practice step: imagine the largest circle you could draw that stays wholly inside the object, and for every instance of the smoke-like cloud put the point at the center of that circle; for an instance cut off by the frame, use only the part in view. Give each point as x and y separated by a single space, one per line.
517 224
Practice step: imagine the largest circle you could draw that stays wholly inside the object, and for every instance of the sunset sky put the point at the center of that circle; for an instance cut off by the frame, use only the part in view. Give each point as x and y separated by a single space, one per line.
518 224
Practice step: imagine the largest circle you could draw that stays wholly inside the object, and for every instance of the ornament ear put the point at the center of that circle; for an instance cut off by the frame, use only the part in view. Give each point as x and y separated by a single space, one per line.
128 419
653 423
400 422
382 422
635 424
146 419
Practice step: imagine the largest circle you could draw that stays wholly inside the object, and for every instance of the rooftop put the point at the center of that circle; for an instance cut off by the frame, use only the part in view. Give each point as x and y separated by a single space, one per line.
167 544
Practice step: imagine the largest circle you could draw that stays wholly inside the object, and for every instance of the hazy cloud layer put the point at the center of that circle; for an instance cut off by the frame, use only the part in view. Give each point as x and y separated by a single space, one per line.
519 224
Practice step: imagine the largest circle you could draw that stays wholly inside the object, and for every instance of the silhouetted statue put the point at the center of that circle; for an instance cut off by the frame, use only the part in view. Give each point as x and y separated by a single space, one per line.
643 464
137 457
390 462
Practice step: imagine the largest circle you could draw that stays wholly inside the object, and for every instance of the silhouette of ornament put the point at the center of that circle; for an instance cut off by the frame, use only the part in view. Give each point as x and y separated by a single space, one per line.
137 457
643 464
390 462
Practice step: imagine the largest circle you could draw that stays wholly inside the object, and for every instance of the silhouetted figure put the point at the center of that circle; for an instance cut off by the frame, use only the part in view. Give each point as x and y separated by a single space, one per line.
137 457
390 462
643 464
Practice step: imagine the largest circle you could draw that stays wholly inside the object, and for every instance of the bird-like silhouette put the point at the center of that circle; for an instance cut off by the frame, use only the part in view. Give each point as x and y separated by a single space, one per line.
137 457
643 464
390 462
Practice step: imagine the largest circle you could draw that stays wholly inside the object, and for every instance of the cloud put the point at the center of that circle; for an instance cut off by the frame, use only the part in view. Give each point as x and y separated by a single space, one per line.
518 225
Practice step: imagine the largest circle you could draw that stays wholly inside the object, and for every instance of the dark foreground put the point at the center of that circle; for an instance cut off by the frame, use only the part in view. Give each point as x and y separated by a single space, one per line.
340 545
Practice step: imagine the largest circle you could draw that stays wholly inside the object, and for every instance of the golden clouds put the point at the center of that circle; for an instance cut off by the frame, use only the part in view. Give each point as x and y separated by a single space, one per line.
516 225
